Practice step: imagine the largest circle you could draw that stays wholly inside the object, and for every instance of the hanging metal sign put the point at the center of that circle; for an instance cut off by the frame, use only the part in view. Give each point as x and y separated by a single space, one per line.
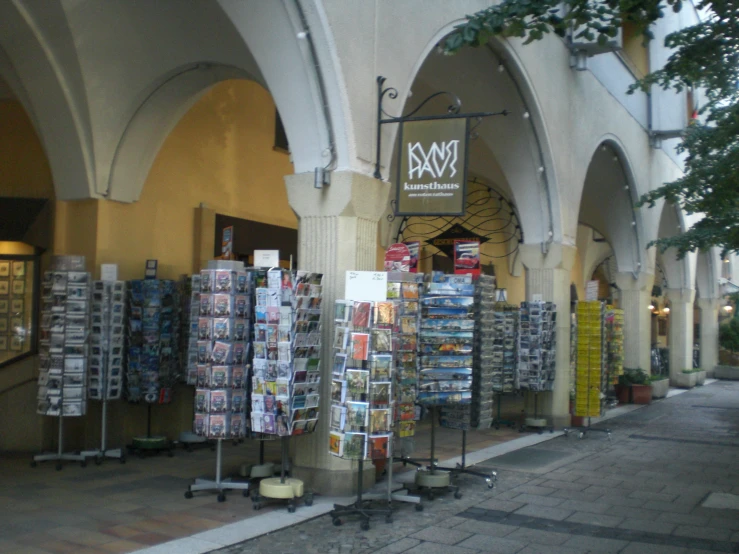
432 155
432 168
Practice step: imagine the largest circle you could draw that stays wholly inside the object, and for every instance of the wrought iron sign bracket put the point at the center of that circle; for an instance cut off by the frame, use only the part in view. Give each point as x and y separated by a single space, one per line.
383 118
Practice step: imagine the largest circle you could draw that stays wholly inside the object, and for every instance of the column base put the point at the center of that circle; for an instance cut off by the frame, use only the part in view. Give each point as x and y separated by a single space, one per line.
335 482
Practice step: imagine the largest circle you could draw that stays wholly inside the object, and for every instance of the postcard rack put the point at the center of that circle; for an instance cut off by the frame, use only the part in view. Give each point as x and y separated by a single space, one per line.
63 350
590 369
105 382
361 396
218 484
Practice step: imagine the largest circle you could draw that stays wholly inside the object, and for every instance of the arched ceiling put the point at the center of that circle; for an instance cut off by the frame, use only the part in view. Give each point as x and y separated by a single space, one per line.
606 206
506 151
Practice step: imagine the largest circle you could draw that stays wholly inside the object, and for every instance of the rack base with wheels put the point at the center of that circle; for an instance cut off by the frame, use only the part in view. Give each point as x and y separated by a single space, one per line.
282 487
148 445
536 423
397 493
361 507
60 456
584 430
104 452
217 484
490 478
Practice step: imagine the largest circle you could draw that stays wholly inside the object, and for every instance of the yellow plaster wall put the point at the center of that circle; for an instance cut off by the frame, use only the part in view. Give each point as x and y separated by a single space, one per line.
219 154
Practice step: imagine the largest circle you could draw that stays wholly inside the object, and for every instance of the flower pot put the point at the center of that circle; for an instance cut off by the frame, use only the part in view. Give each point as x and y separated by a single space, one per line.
660 388
577 421
623 393
641 394
700 378
686 380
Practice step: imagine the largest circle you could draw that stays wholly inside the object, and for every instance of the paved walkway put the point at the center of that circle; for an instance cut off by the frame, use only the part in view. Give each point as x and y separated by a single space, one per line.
642 491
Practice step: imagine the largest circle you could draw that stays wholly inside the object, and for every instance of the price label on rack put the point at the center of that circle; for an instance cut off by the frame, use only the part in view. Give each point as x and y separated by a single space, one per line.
368 286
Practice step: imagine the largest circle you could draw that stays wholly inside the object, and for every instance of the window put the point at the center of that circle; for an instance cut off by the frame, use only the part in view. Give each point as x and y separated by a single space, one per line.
634 52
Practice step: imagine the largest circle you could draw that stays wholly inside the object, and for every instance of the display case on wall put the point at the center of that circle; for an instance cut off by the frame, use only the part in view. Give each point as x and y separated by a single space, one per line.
18 306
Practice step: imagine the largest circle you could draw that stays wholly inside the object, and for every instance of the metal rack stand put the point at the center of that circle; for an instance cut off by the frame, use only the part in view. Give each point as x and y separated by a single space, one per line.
537 423
360 506
490 479
59 456
498 421
282 487
395 492
434 477
162 444
103 452
217 484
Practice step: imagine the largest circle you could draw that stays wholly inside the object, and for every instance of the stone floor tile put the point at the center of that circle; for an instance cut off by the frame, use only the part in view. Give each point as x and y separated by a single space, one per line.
593 544
440 535
485 544
399 546
595 519
486 528
645 548
436 548
545 512
635 524
708 533
538 500
535 489
548 549
539 537
502 505
580 506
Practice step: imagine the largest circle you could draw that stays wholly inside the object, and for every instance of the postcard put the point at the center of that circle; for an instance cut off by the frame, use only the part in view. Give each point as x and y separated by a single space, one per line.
357 416
359 345
338 391
355 446
361 315
379 447
384 313
336 443
382 340
380 421
381 367
380 394
357 382
338 418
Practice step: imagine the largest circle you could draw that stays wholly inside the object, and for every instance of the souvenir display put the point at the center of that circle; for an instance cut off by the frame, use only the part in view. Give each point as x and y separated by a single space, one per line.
152 362
403 290
286 375
188 291
219 348
446 342
615 342
63 347
505 331
16 308
590 374
107 349
363 379
537 339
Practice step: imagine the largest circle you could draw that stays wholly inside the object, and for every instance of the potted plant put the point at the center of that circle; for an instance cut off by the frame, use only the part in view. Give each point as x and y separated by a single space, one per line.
660 386
641 388
634 387
687 378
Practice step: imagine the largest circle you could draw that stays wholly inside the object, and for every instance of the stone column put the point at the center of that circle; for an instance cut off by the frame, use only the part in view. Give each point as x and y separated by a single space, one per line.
549 275
680 333
337 232
709 308
635 295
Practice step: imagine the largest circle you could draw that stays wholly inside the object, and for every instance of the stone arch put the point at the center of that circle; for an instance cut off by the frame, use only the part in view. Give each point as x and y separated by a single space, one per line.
42 70
609 176
678 272
520 161
707 274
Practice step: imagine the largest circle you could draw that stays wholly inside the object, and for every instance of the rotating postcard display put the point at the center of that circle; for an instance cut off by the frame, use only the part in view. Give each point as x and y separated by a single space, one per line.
220 328
488 351
152 360
590 373
362 393
537 341
65 326
403 291
287 353
222 335
615 341
105 380
286 376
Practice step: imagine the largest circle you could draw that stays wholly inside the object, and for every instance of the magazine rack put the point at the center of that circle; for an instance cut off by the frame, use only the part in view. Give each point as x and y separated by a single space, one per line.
217 484
59 456
282 487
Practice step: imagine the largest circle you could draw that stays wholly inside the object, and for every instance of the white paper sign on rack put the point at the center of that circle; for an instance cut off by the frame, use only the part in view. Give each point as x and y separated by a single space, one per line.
366 286
591 291
108 272
266 258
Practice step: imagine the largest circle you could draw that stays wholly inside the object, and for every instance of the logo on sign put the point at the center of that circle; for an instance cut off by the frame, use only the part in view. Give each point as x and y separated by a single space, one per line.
433 161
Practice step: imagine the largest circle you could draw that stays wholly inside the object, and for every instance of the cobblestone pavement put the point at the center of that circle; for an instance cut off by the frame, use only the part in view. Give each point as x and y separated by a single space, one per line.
641 491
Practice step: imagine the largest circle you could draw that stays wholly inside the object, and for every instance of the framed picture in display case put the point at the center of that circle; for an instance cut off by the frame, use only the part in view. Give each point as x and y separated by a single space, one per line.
19 302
